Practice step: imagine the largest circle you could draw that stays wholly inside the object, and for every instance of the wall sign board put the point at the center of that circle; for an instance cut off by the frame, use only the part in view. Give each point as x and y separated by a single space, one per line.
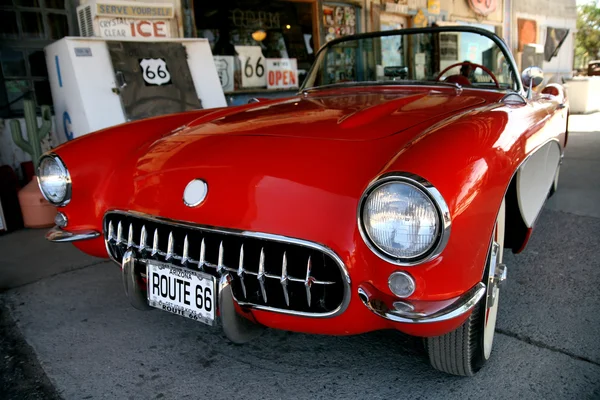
483 7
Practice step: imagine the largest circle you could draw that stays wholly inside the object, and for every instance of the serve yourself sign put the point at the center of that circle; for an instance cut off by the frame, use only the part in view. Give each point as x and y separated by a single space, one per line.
282 73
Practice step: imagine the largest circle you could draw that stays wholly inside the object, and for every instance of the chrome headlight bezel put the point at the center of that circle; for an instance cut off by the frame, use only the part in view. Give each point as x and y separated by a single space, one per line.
64 172
443 214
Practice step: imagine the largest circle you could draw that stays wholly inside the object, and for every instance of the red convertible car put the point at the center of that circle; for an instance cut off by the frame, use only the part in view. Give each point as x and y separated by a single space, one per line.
382 196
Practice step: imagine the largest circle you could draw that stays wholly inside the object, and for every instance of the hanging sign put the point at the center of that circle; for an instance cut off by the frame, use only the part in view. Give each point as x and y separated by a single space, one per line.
224 66
282 73
420 20
130 27
483 7
252 64
433 7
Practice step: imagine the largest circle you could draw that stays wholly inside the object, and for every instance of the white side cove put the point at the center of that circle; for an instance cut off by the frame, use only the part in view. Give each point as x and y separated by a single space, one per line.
534 179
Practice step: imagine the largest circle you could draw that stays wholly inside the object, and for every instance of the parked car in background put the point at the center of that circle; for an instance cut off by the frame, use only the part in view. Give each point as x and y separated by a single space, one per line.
382 196
594 68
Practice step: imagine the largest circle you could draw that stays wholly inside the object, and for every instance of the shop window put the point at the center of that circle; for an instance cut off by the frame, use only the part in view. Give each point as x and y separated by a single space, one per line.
16 91
9 28
56 4
13 63
339 19
32 25
259 45
42 92
27 3
59 26
37 63
27 27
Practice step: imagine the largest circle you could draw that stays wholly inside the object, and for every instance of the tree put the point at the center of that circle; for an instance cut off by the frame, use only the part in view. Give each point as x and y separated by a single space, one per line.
588 34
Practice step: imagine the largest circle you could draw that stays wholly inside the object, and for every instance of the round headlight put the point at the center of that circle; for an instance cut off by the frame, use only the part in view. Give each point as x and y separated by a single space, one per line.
402 221
54 180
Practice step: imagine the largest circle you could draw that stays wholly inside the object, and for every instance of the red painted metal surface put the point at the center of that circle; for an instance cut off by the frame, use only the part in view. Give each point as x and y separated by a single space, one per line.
298 167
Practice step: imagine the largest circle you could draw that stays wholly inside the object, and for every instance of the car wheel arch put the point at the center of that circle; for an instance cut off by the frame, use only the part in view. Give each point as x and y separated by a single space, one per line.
527 192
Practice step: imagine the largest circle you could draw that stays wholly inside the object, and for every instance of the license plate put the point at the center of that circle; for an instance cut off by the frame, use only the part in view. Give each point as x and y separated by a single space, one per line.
181 291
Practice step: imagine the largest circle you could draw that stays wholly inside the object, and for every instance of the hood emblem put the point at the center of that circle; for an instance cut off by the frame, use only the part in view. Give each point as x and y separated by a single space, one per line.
195 192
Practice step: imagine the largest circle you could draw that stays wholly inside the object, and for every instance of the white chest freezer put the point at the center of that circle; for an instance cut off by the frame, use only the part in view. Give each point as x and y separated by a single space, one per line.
97 83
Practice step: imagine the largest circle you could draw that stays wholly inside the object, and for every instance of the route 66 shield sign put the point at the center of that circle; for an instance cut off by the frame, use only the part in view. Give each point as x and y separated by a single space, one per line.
155 71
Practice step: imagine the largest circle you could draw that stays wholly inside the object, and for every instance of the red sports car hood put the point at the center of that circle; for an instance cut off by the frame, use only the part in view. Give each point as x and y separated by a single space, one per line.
343 116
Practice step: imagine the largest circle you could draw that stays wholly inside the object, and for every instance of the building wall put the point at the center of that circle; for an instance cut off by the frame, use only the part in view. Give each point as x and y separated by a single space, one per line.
459 10
548 13
177 10
548 8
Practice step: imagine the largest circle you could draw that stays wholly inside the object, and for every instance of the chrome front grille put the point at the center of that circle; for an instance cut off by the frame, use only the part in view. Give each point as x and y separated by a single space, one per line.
268 272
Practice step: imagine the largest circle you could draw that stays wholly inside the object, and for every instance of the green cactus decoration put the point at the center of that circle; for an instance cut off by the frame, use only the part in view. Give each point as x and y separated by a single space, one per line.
33 146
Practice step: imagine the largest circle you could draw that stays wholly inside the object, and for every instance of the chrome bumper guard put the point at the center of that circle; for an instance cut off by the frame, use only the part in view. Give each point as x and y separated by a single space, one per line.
458 307
237 328
57 235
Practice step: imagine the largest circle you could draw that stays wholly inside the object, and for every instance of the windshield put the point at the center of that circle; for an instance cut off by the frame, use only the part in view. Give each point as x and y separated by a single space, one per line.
466 58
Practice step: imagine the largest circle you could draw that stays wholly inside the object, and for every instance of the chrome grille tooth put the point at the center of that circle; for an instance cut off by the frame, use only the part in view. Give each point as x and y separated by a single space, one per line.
220 266
120 238
261 274
143 238
308 281
130 236
111 231
284 279
240 271
185 255
170 246
155 242
202 260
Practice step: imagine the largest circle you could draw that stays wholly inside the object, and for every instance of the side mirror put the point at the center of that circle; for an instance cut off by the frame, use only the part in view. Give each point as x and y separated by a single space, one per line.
532 77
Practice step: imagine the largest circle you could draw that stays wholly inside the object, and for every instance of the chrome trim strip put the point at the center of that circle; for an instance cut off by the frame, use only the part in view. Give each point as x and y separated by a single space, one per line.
257 235
459 307
261 274
65 172
57 235
283 280
429 190
308 281
513 99
240 271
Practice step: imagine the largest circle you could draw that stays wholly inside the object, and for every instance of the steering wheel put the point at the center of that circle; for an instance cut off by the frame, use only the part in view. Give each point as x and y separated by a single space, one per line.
474 66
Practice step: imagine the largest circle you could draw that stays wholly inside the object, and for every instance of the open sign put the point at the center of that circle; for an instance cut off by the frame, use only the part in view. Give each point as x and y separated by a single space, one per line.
282 73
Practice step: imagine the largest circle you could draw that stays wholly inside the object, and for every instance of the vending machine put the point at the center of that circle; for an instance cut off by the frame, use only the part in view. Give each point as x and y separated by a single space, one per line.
98 82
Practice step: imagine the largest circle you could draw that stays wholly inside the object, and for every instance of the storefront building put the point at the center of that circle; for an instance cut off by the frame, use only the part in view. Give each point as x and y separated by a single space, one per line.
27 27
265 49
262 49
545 35
248 36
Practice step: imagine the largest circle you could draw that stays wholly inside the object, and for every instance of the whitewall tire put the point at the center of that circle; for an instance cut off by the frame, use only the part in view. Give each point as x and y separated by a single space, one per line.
465 350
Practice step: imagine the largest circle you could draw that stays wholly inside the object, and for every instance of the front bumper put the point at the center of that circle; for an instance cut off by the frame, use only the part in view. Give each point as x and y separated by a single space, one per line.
377 311
59 235
421 312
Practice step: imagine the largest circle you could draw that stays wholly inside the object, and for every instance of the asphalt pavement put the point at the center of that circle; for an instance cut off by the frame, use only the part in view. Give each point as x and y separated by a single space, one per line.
72 333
